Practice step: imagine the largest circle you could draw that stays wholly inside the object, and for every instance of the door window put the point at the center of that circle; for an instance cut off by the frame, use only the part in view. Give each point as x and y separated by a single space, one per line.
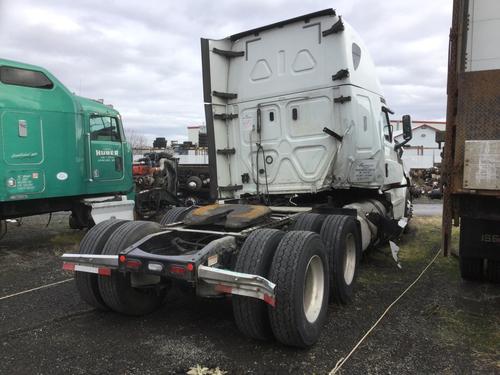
104 128
384 118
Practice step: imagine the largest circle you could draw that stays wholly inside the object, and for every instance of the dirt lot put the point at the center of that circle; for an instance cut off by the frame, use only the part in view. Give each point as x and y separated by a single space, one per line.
443 325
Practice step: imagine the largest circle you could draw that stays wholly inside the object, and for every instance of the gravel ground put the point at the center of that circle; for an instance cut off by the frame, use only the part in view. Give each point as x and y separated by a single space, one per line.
443 325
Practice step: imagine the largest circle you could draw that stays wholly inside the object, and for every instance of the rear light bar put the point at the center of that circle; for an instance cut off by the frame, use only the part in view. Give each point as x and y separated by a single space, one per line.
104 264
180 269
133 264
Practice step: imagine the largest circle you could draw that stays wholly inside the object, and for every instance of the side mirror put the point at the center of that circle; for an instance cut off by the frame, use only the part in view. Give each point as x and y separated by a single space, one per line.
407 127
406 134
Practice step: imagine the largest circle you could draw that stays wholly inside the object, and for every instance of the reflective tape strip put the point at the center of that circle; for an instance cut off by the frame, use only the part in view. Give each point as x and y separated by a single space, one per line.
103 271
88 269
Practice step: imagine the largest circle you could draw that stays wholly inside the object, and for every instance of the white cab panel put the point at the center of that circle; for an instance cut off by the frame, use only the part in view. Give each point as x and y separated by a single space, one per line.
483 47
280 94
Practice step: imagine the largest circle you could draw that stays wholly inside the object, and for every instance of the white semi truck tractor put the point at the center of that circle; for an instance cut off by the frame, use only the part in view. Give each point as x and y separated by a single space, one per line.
305 176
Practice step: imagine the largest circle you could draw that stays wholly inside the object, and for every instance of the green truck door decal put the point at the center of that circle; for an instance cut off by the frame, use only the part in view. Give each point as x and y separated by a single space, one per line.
105 149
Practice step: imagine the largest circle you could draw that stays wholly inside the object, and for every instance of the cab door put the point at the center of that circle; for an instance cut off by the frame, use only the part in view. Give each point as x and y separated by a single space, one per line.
394 173
106 148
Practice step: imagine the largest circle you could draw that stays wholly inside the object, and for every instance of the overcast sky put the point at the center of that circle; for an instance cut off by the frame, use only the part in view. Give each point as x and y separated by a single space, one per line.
144 56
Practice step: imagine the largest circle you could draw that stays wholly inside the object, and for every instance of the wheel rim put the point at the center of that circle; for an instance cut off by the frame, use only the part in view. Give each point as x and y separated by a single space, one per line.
349 259
314 287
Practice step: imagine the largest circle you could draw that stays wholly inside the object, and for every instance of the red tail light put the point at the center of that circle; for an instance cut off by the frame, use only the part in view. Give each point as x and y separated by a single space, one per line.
178 270
133 264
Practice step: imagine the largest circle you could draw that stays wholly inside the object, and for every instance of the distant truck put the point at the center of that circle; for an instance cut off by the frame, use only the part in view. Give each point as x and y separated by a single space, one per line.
305 174
59 151
162 181
471 165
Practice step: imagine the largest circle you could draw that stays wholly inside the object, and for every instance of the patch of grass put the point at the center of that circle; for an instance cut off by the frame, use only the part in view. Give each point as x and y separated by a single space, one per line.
374 276
480 333
423 239
448 266
416 247
70 239
455 239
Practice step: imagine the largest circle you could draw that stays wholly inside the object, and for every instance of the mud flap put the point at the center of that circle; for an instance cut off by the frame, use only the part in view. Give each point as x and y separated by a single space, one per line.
111 209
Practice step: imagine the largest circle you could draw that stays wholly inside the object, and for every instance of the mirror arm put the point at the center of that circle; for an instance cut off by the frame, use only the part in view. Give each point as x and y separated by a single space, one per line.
397 146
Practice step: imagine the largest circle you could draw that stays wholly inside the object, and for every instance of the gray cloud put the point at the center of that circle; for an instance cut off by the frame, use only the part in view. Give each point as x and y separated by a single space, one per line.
144 57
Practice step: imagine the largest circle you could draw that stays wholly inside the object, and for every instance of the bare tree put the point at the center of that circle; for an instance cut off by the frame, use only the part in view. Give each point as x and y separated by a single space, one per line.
136 139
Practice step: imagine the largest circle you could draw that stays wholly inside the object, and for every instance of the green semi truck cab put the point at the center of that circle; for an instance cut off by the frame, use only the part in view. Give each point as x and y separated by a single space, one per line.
58 151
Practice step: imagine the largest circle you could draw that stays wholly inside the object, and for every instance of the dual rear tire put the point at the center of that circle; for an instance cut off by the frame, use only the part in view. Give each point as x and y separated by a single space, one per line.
116 292
93 243
342 240
175 215
255 258
298 264
310 265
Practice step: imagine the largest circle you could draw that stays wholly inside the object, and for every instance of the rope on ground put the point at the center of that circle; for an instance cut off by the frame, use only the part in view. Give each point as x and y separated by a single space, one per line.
37 288
343 360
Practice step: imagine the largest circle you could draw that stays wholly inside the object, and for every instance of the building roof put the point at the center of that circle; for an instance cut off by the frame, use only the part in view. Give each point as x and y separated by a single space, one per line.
436 125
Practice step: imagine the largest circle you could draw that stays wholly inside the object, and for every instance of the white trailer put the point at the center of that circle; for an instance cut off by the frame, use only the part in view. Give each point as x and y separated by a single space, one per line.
306 176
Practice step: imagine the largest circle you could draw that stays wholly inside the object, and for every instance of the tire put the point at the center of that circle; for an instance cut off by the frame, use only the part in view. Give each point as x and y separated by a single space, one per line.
175 215
255 258
93 243
471 268
299 264
309 222
493 271
341 237
116 290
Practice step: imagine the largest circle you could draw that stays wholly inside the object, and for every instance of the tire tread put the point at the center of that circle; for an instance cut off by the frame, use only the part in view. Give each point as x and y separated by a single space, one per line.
284 273
255 257
93 243
332 231
110 286
175 214
309 222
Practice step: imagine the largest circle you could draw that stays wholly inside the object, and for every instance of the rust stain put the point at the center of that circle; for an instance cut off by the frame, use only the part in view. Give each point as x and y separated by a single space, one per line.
205 210
235 212
250 212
